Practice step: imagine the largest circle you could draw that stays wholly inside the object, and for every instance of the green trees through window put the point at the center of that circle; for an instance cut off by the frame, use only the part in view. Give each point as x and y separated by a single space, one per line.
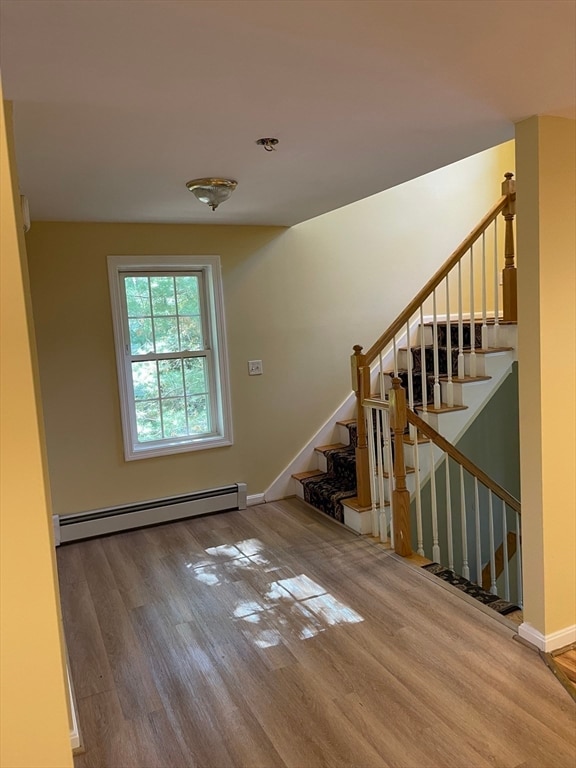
171 395
170 356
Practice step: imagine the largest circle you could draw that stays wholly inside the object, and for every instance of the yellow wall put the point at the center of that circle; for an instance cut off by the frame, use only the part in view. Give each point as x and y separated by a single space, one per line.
546 162
33 710
298 299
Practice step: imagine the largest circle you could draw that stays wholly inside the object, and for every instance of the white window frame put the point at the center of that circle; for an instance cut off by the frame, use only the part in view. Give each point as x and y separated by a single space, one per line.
215 348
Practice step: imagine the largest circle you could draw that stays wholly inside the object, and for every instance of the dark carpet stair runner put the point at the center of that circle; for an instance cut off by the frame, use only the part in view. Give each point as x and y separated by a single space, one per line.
328 490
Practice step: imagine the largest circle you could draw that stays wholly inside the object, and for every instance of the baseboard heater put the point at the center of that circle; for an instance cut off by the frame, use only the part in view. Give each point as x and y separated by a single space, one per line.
98 522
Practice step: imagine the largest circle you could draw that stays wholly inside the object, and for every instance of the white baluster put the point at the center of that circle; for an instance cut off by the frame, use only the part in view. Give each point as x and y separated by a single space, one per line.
478 533
465 566
395 356
380 437
383 527
461 367
505 552
450 531
484 310
385 475
437 391
391 479
472 318
435 543
423 364
381 377
496 288
369 415
519 561
418 500
493 587
409 364
449 384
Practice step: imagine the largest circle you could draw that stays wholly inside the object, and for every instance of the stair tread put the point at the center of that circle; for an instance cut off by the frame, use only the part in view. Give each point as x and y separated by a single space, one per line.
466 379
346 422
354 504
409 471
331 447
444 408
309 473
488 350
477 321
408 440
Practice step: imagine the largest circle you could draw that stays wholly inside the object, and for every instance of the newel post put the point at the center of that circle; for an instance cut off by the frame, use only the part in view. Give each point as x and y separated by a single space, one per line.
400 496
361 387
509 290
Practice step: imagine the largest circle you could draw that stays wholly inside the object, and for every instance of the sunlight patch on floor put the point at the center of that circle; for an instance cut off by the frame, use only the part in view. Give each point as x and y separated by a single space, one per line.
296 606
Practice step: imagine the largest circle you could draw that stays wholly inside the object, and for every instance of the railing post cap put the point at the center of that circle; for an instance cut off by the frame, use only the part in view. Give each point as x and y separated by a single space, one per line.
357 349
509 175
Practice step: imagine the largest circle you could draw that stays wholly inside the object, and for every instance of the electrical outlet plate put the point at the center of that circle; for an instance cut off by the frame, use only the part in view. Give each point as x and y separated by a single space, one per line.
255 367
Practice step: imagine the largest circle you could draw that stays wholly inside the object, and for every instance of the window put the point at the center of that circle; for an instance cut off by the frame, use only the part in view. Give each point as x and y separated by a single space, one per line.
171 353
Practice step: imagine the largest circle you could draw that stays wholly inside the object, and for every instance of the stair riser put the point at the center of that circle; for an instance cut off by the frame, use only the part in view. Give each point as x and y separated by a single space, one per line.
321 462
488 365
495 335
360 522
464 394
343 434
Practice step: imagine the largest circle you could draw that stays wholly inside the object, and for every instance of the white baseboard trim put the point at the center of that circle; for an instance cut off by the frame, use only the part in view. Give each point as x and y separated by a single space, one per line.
547 643
74 729
255 498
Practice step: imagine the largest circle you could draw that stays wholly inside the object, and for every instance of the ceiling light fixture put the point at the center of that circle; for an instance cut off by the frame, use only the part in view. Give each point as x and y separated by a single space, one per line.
212 191
268 144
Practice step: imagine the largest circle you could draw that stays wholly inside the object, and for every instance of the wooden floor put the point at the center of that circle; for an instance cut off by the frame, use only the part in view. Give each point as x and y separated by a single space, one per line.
567 662
564 664
273 637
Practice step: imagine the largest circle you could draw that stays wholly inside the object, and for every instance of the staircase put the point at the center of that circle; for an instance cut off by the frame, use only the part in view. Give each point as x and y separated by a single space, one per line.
330 484
395 472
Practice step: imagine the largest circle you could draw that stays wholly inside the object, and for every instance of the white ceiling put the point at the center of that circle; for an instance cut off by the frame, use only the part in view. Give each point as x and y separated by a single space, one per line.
119 103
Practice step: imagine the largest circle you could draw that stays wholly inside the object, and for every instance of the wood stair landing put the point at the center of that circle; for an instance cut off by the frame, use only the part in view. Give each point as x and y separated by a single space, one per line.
563 663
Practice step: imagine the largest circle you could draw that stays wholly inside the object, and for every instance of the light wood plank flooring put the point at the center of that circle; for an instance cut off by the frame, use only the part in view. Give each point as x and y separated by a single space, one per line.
274 638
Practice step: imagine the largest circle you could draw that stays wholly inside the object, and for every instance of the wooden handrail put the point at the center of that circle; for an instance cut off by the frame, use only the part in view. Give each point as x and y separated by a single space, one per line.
468 465
435 281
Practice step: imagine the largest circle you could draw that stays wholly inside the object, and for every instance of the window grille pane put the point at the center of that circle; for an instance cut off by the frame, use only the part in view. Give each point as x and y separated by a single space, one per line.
174 417
191 333
195 376
166 334
141 338
137 296
171 381
163 296
148 422
198 414
145 378
187 292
